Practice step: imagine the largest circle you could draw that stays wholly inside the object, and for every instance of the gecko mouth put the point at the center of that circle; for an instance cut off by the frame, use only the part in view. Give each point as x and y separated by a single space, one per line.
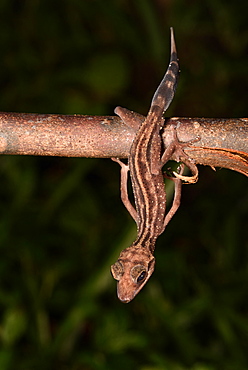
124 300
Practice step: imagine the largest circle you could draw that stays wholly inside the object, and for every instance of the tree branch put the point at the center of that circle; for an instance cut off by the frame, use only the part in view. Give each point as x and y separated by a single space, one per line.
221 142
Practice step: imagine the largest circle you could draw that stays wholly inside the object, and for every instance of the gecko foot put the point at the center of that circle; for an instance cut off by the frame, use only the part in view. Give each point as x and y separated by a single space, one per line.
180 156
123 165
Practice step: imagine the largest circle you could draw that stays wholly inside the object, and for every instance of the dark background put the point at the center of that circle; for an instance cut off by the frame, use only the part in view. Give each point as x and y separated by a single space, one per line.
62 222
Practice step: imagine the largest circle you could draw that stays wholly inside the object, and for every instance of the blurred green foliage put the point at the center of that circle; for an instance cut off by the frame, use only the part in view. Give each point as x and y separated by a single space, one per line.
61 219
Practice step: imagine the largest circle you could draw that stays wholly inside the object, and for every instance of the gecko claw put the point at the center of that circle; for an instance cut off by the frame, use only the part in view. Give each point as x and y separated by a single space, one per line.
188 179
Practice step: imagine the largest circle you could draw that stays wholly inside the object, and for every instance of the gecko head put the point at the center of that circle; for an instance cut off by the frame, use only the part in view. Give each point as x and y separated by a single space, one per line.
132 270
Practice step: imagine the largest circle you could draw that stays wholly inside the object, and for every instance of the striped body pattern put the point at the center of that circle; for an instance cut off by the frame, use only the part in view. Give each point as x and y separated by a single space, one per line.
136 263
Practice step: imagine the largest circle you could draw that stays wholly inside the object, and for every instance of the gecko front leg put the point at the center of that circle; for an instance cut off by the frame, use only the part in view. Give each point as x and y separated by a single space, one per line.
177 197
124 192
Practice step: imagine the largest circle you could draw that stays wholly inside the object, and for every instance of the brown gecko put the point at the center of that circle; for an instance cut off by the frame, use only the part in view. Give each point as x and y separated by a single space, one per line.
136 263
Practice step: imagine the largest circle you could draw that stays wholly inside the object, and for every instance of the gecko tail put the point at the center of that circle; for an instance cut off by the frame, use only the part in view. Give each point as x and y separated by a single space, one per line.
166 90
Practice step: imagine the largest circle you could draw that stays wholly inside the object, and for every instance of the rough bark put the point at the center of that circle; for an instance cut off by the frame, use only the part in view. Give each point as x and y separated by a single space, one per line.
221 142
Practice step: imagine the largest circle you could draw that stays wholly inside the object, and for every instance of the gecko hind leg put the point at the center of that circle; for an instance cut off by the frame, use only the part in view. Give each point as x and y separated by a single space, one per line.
124 191
176 149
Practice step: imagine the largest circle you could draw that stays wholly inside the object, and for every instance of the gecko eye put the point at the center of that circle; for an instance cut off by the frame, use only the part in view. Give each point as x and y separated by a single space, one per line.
117 270
138 273
141 277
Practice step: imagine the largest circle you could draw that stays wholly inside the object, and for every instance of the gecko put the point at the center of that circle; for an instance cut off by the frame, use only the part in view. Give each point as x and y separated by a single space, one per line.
136 263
